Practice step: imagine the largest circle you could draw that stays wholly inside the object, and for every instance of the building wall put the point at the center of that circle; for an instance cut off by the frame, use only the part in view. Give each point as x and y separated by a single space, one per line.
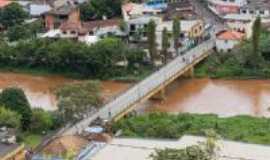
225 45
245 27
197 30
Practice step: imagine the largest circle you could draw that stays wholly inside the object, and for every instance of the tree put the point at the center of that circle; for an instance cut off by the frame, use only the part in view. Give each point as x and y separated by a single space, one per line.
165 45
96 9
18 32
76 100
9 118
151 39
256 36
41 121
12 15
254 58
176 33
15 100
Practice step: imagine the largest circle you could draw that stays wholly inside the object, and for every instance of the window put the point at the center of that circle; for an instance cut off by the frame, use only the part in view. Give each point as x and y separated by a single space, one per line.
132 27
73 32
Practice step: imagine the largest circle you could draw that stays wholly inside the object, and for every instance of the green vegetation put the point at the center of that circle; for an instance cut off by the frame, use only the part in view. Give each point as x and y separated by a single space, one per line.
41 121
67 56
242 62
165 45
151 40
202 151
162 125
12 15
30 140
9 118
176 33
75 100
24 31
96 9
30 125
15 100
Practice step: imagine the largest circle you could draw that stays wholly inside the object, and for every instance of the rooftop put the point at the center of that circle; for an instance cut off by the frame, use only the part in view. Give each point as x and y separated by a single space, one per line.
140 149
230 35
4 3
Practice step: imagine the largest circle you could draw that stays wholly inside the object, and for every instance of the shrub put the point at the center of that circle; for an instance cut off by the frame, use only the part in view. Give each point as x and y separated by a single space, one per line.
9 118
41 121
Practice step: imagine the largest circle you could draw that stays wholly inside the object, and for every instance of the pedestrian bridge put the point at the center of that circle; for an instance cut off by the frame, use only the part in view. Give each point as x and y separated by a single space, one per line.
149 87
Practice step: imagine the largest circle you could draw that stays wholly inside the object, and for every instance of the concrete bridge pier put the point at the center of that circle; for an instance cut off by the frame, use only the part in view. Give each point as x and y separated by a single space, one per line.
160 95
189 73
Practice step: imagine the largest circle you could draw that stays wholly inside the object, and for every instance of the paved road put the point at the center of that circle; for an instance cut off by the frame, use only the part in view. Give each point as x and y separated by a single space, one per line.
146 87
208 16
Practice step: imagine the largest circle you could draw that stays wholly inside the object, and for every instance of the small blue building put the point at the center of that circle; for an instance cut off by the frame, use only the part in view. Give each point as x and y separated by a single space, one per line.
160 4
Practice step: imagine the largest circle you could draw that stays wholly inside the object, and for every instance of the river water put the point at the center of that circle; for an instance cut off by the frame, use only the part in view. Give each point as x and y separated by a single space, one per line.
222 97
40 89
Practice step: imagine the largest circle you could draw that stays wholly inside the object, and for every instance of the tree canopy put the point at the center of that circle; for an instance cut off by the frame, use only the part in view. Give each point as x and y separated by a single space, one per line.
9 118
96 9
12 15
15 100
67 56
78 99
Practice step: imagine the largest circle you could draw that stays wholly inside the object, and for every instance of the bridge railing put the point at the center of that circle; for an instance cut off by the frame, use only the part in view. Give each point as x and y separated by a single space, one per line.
143 88
156 79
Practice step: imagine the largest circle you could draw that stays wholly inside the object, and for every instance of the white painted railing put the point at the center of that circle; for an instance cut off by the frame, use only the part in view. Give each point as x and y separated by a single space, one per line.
143 88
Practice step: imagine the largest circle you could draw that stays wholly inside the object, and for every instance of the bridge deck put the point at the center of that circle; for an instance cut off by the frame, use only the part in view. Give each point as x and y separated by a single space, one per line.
148 87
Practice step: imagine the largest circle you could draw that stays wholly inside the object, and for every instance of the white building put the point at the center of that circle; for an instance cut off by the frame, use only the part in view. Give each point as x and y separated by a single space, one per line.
227 40
221 7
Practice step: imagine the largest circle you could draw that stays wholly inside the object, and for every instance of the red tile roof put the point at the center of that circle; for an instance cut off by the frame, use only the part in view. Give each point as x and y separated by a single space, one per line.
230 35
4 3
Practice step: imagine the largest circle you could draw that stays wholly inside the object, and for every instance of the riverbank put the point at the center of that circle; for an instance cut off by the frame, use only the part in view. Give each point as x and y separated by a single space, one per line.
227 66
161 125
129 77
240 63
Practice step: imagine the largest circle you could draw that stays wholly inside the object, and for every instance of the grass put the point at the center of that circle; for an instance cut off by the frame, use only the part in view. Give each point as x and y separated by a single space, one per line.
161 125
31 140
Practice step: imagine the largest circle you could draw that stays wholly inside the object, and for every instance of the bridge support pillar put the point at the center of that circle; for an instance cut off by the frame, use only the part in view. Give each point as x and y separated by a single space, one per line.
189 73
161 95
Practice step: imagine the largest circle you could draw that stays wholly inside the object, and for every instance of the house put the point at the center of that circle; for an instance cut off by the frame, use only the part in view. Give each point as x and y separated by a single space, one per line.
55 17
227 40
134 10
257 8
137 27
4 3
190 29
160 4
88 32
221 7
242 23
37 10
183 9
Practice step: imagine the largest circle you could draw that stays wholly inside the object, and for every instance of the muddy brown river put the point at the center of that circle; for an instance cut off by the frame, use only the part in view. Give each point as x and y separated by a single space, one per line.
40 89
222 97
